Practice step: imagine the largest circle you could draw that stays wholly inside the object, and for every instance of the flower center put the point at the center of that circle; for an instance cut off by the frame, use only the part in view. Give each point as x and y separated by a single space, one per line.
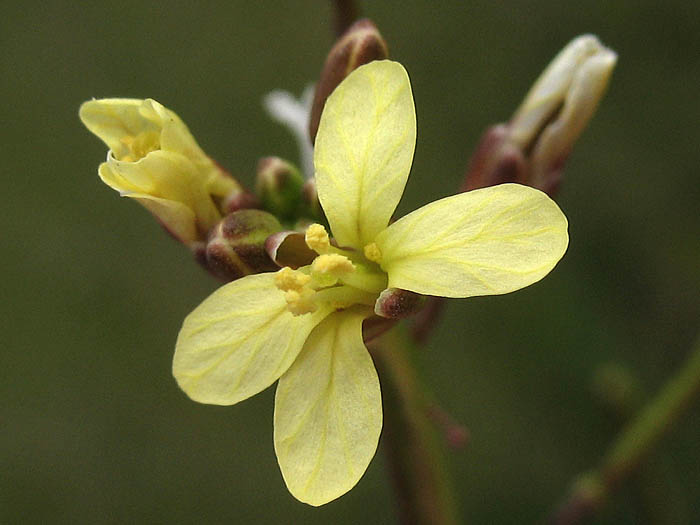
140 145
337 278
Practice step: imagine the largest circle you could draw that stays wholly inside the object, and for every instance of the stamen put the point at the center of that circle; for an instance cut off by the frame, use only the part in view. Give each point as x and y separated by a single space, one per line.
287 279
373 253
301 302
140 145
332 263
317 239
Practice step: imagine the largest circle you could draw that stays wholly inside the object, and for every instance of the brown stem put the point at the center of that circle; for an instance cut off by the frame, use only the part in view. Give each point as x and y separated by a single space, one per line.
346 12
409 439
424 321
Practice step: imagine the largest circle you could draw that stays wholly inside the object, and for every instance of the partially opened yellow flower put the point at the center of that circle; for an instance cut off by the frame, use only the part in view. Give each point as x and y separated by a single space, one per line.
154 159
304 326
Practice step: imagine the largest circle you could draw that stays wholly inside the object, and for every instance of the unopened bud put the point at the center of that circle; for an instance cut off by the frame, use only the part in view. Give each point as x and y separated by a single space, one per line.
359 45
236 245
545 127
394 303
495 161
559 106
289 248
279 187
199 252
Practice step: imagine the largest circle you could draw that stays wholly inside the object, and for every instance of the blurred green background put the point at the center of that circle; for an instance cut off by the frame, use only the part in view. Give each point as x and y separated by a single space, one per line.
93 427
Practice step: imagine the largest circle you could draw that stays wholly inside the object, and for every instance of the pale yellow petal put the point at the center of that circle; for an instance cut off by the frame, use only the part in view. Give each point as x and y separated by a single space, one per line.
364 149
239 341
174 216
114 119
328 412
165 175
484 242
175 136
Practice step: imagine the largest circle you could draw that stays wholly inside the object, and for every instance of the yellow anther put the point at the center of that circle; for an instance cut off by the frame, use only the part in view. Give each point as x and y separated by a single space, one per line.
317 238
300 302
373 253
332 263
287 279
140 145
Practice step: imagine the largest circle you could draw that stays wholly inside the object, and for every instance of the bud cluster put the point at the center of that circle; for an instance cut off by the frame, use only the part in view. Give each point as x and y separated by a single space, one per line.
272 236
534 146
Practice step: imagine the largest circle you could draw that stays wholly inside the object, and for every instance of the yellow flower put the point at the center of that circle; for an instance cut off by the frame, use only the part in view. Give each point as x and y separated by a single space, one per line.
154 159
303 326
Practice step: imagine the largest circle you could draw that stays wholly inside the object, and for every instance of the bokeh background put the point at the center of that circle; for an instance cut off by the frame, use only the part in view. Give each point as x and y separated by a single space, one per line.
92 426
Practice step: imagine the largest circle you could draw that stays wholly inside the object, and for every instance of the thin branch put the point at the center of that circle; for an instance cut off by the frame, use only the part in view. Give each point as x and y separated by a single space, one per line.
590 490
414 450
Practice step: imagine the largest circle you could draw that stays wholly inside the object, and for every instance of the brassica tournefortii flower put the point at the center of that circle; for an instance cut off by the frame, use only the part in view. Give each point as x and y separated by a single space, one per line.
303 326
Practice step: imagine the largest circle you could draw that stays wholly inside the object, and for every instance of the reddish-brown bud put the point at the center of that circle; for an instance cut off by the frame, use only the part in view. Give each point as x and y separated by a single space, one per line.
236 245
360 44
534 146
394 303
495 161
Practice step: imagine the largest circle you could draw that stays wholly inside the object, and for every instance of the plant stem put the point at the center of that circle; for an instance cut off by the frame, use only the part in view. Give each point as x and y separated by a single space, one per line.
412 445
346 12
426 319
621 395
636 441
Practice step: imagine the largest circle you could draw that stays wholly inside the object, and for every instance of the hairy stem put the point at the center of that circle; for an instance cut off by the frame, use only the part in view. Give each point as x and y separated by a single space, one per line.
412 445
590 490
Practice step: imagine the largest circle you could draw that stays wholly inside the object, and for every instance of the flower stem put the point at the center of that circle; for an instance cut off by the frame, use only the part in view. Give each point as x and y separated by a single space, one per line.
591 489
412 445
425 320
346 12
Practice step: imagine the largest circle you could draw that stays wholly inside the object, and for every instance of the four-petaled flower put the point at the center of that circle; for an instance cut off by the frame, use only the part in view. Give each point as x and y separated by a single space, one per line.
303 326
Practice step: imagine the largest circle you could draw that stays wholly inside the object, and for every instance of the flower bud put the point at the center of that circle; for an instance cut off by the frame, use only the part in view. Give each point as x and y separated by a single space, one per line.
236 245
154 159
394 303
559 106
360 44
534 146
279 187
495 161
